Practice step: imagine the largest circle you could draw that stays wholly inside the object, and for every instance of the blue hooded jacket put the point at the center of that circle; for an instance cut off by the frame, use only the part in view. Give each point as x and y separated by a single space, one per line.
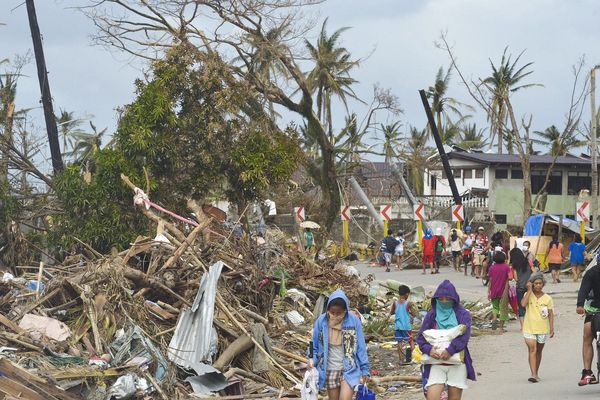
356 360
463 316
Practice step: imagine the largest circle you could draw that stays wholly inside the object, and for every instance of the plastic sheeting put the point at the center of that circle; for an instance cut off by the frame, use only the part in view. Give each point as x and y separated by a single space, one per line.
208 379
570 224
194 339
533 226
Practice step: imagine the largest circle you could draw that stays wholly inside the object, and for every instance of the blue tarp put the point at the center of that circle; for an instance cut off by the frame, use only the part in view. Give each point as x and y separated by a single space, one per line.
533 226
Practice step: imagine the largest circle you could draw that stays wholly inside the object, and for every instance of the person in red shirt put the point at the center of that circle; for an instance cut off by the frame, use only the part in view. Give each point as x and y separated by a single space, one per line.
428 251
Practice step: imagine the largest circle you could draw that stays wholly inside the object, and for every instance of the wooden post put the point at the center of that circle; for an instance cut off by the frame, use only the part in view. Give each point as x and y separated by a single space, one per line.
38 50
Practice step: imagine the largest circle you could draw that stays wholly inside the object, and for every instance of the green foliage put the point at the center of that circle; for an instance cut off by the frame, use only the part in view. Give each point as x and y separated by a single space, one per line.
100 212
261 161
196 131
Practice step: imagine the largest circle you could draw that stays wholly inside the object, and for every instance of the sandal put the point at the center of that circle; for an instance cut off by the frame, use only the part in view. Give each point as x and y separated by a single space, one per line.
533 380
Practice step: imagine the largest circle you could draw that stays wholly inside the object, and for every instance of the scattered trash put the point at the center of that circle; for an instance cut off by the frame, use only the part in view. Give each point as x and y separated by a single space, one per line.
294 317
44 326
154 320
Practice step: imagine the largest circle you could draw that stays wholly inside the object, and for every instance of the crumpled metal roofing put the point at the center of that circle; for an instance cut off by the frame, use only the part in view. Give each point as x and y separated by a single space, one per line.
195 339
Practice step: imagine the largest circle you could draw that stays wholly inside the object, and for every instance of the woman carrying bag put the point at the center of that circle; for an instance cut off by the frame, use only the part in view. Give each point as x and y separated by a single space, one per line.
340 351
447 313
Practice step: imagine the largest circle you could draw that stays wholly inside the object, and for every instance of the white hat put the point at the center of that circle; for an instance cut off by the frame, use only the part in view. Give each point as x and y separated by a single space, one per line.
438 231
481 228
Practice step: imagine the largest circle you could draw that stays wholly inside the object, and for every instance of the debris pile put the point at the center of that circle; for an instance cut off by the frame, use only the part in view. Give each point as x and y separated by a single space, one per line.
188 314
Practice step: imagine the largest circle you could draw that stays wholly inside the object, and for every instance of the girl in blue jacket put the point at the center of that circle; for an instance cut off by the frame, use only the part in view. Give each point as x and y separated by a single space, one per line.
340 351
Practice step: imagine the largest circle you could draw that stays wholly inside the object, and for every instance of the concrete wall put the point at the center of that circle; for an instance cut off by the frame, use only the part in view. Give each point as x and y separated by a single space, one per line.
463 184
506 197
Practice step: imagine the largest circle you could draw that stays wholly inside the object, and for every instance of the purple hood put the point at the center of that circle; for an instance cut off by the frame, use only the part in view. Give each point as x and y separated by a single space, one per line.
447 289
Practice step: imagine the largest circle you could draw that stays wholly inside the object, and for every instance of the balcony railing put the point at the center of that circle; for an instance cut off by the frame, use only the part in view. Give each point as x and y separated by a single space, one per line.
447 201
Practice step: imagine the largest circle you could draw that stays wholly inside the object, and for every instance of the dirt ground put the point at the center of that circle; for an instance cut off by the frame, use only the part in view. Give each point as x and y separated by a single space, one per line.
501 360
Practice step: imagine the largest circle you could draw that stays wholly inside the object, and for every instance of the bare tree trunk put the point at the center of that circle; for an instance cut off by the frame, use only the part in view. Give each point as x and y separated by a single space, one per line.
522 149
8 137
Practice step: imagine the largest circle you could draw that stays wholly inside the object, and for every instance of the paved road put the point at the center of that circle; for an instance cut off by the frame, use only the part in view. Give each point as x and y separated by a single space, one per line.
501 360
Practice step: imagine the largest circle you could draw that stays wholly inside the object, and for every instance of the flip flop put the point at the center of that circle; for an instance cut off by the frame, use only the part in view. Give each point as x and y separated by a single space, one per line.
533 380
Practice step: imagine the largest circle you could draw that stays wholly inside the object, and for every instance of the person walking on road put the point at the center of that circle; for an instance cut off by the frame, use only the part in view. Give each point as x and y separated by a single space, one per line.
577 257
439 249
480 248
538 325
468 241
399 251
498 289
456 244
588 304
446 313
554 258
428 245
522 271
390 244
340 351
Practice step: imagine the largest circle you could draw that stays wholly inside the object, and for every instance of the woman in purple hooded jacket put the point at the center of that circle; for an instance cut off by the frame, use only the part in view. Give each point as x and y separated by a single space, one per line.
446 312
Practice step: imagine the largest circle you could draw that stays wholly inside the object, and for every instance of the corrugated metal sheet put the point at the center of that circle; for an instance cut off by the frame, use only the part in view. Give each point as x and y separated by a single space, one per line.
194 340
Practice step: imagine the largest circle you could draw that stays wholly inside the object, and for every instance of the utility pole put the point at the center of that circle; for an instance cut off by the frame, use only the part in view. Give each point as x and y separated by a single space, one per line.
38 50
594 149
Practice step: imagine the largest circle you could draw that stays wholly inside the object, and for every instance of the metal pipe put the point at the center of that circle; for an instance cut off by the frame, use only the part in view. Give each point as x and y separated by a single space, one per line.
365 200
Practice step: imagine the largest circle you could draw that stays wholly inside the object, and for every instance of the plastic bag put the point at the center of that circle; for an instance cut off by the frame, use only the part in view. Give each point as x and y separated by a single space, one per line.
441 339
364 393
417 354
310 385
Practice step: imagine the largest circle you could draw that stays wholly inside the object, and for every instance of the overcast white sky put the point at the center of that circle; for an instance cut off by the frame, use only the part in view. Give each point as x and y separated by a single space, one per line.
400 34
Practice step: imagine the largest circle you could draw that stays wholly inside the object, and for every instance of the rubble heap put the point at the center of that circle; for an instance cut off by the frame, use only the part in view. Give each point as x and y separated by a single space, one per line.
184 315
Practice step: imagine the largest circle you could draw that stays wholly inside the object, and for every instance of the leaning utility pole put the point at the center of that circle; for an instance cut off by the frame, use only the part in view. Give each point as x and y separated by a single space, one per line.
594 148
38 50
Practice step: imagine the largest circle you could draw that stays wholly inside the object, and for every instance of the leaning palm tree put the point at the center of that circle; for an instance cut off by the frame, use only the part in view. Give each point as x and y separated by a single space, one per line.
442 104
560 143
331 73
505 79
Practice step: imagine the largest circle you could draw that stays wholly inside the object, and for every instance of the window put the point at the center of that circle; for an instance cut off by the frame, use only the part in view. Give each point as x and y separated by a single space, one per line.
516 174
456 173
444 174
538 179
433 182
501 174
577 180
467 173
500 218
478 174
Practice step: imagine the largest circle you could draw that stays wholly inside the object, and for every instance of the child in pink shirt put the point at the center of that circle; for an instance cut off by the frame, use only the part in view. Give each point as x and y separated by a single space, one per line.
498 288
